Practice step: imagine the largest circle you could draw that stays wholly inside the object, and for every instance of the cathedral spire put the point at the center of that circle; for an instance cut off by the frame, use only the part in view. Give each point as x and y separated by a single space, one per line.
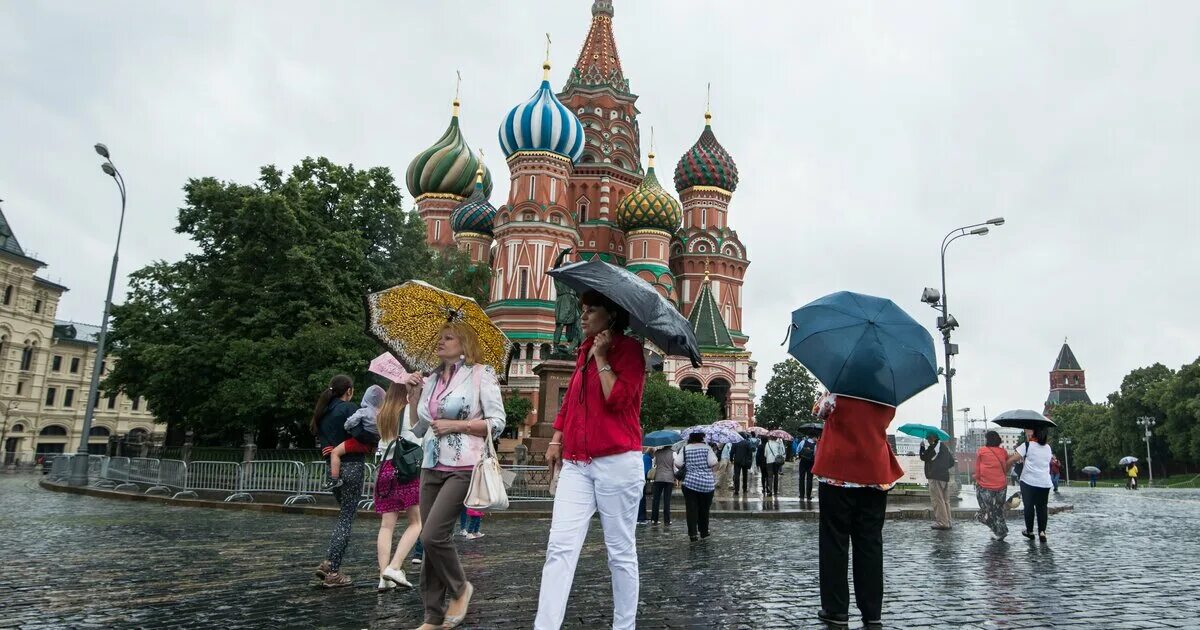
599 65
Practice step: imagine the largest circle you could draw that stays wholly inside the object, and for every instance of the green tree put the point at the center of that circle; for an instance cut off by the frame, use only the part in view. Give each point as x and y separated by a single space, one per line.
1179 398
1093 441
666 406
246 330
789 398
1141 394
516 410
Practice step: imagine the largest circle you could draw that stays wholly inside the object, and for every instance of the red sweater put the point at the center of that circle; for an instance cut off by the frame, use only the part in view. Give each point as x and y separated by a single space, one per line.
593 426
854 444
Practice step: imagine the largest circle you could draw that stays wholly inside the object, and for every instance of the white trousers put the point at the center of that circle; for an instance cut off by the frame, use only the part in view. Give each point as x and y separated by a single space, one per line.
613 485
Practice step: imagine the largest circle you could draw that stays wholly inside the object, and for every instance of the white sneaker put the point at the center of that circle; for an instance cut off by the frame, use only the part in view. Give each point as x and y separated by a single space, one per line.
395 577
384 585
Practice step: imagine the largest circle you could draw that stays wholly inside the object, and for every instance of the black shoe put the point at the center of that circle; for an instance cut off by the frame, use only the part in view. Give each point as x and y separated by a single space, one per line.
1028 535
836 619
877 623
693 538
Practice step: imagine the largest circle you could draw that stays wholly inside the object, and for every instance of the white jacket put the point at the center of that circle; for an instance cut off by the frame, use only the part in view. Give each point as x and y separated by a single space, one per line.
460 400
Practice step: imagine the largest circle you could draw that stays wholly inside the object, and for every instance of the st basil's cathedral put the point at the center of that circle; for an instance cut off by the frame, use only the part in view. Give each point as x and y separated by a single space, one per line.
577 182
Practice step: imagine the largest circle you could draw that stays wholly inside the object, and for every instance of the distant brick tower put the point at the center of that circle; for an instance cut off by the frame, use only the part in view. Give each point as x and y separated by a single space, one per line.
440 177
1067 381
611 165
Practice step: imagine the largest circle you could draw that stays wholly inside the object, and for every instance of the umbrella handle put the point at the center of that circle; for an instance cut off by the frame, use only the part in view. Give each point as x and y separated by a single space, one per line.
791 327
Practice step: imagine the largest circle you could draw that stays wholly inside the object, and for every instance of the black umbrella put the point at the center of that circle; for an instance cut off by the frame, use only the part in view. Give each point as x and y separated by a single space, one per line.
812 429
1023 419
650 314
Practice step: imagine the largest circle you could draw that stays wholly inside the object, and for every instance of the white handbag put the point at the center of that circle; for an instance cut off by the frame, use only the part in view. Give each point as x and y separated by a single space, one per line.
488 481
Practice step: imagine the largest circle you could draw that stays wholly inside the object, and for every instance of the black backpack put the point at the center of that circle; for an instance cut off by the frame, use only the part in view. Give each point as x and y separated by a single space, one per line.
808 452
406 460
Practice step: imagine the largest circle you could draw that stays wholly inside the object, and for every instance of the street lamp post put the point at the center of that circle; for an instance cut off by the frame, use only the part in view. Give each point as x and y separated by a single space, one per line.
1066 442
79 464
1147 422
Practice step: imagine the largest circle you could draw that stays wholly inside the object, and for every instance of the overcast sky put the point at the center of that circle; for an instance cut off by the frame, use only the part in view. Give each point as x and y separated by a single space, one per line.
863 133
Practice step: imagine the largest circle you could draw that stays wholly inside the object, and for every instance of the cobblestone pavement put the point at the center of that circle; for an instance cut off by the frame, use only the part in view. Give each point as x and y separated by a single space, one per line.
1119 560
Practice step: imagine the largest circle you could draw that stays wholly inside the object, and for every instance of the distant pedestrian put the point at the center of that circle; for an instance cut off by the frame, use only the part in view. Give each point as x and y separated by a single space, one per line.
724 470
1055 471
856 470
776 454
647 466
991 484
392 495
1131 475
1035 456
1092 477
760 460
806 454
698 484
743 460
938 462
474 521
329 425
597 439
460 402
663 484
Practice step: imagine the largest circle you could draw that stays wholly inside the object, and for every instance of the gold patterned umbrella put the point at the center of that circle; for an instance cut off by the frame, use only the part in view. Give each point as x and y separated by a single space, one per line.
408 321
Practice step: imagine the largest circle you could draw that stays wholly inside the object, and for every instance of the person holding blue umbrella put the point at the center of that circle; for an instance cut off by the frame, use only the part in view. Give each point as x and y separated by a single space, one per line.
871 356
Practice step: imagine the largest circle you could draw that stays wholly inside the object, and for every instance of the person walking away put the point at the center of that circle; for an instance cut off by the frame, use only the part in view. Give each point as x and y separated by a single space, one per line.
806 454
1092 477
991 484
1131 474
698 484
597 437
938 462
393 496
776 454
1055 470
663 485
647 466
1034 456
855 470
760 459
328 423
743 459
364 437
724 470
460 402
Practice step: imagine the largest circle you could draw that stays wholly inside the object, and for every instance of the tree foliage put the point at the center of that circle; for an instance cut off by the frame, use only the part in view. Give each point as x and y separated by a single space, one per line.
246 330
516 410
666 406
789 398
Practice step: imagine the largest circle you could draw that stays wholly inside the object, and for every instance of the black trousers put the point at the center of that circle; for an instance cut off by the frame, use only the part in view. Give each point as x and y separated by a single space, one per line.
1035 499
741 477
698 505
776 472
662 491
806 481
764 472
851 516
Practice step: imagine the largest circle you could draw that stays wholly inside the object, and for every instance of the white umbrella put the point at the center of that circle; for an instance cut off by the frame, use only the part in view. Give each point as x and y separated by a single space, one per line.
1127 460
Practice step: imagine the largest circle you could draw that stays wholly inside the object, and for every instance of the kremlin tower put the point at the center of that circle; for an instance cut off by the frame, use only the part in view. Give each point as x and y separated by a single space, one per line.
576 181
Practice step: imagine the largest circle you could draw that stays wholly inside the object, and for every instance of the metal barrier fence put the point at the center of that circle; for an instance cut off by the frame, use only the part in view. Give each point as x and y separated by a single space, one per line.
211 476
60 468
530 483
301 482
172 477
269 476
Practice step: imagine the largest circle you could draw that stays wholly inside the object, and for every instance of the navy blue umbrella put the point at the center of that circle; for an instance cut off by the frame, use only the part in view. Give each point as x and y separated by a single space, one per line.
864 347
650 314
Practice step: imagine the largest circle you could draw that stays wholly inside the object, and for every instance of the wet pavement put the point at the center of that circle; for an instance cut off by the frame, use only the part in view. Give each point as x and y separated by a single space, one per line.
1120 560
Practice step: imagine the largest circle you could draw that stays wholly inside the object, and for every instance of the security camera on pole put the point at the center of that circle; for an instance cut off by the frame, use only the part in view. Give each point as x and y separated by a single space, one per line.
946 324
1147 423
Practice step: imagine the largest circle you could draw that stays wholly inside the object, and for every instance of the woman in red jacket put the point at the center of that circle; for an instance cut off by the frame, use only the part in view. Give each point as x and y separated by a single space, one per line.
597 446
856 469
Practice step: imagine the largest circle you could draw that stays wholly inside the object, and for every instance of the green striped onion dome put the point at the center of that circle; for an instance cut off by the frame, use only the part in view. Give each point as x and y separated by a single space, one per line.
475 213
649 207
448 167
707 163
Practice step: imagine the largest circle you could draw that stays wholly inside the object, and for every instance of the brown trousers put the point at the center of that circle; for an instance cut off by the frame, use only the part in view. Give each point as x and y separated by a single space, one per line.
941 503
442 495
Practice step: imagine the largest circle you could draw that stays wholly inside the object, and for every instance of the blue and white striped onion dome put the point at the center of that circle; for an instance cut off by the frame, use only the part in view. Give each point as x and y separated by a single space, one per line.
542 124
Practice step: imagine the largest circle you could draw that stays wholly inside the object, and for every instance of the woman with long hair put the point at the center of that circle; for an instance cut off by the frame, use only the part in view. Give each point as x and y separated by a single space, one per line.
332 410
596 445
991 484
459 403
1035 481
393 497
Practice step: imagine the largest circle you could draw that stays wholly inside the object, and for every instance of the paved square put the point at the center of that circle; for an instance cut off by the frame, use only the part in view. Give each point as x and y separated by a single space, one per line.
1119 560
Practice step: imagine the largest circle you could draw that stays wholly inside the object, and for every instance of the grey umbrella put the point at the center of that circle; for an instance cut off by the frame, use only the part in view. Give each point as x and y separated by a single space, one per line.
650 314
1023 419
